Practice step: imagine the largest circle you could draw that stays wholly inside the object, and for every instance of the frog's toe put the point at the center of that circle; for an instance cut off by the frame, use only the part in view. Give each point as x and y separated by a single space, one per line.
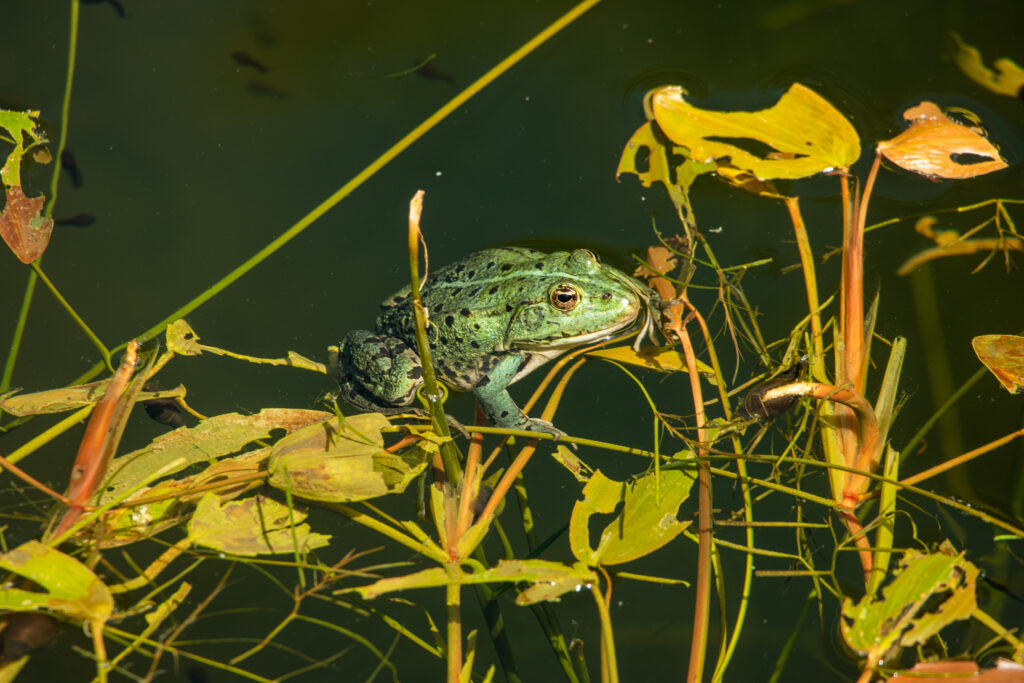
535 424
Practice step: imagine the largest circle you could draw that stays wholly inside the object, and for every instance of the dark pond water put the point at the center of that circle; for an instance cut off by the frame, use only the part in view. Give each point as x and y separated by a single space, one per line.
203 130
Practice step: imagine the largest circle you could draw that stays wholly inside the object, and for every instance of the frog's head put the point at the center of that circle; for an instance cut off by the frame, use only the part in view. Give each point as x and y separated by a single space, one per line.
573 299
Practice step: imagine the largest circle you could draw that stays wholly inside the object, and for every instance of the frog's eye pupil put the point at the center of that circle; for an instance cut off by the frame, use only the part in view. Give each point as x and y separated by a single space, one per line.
565 297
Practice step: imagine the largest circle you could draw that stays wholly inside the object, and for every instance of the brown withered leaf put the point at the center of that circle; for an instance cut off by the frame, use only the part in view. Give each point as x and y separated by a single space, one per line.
1003 355
23 229
933 140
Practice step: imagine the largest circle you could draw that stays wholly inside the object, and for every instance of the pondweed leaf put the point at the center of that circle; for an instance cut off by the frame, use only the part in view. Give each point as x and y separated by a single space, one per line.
930 592
936 146
337 463
805 134
1003 355
24 230
69 588
253 526
1007 79
70 398
211 439
645 523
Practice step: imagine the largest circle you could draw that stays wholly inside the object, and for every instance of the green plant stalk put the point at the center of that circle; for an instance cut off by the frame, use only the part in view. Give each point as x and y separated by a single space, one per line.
427 548
609 666
177 652
453 597
911 445
65 114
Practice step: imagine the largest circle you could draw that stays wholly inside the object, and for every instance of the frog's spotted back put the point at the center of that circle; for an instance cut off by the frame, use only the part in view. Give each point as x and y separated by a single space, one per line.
494 316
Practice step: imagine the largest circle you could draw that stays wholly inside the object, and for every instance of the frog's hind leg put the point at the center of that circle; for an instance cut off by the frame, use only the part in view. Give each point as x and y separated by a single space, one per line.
378 373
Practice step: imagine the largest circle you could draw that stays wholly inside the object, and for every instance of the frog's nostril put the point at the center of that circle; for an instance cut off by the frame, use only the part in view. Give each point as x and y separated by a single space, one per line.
607 296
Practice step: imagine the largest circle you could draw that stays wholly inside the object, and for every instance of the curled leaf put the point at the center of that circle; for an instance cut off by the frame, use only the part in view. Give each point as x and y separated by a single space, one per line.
805 134
934 145
1003 355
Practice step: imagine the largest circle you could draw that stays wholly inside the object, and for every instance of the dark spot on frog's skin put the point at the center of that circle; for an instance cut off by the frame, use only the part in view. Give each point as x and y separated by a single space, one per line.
416 372
471 274
508 308
504 413
476 326
465 378
459 340
449 319
484 381
506 266
459 268
493 289
464 312
539 265
433 345
490 264
475 344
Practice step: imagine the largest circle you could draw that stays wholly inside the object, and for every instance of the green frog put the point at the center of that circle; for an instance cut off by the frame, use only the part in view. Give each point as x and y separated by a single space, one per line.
493 317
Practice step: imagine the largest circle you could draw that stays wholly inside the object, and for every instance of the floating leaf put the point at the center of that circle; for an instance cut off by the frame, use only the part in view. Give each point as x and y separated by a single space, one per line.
930 592
1003 355
210 439
646 522
662 164
69 398
337 463
567 459
134 521
24 230
182 339
254 526
69 587
653 358
933 140
806 134
1008 81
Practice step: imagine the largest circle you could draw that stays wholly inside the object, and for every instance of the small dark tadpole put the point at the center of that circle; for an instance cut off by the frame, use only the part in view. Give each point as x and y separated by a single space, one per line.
430 72
68 163
82 220
246 59
163 410
27 631
118 7
755 407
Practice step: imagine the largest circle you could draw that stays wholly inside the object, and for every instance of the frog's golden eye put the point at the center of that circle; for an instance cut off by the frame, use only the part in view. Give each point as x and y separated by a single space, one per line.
565 297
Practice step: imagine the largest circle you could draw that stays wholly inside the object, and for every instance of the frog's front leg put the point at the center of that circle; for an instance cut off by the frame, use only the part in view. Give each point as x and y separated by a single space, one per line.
378 373
497 404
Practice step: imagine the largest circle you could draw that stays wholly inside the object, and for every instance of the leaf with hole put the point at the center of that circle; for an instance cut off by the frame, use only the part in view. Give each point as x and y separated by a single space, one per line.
801 135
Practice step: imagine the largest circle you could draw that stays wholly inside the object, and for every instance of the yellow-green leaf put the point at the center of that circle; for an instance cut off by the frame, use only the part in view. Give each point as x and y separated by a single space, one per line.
69 588
212 438
69 398
806 133
662 359
646 522
661 162
1007 79
182 339
337 463
930 591
253 526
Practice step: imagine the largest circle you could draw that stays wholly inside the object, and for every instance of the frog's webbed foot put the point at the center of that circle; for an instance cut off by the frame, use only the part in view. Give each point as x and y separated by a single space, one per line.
535 424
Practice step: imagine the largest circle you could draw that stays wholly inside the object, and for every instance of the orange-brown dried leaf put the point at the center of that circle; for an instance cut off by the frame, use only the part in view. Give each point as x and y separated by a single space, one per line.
928 146
1003 355
25 231
660 261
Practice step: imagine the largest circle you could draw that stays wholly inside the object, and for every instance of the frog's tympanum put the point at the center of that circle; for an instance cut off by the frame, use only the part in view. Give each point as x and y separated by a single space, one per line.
493 317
